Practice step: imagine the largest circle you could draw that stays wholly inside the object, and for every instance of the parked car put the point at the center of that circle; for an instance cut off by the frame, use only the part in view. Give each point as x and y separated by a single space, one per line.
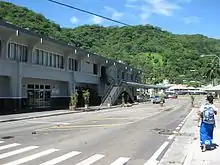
156 100
172 96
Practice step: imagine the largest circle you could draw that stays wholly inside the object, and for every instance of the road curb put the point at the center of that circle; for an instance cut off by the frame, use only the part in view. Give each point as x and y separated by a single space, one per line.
56 114
32 117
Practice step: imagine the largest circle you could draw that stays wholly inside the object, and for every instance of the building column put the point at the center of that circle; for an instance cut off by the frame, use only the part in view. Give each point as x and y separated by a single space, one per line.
70 84
67 54
16 87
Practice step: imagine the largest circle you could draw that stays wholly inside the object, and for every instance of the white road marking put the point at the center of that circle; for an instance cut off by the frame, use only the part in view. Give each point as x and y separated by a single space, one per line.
188 115
91 159
177 128
9 146
61 158
175 132
189 157
1 141
31 157
153 160
120 161
49 122
5 155
171 137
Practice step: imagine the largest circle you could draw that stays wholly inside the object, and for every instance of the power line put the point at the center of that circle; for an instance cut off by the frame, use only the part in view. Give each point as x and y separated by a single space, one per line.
88 12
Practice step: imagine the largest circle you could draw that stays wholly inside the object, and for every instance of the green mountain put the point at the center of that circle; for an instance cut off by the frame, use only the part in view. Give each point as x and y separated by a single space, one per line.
159 53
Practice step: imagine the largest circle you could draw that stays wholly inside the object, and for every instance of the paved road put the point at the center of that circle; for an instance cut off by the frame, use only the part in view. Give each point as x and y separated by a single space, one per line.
118 136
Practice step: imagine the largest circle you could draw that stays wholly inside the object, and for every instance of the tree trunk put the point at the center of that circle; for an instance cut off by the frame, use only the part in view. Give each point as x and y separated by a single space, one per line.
213 82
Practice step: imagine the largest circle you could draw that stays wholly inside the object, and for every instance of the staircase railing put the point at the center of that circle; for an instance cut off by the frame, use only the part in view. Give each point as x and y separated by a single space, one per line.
111 96
108 90
117 92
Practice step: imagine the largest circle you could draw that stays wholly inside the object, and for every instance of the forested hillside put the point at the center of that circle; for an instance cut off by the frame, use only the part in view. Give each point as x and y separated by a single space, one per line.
160 54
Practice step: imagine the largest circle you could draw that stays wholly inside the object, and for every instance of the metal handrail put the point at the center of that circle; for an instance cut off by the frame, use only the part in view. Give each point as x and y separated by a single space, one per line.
118 84
107 92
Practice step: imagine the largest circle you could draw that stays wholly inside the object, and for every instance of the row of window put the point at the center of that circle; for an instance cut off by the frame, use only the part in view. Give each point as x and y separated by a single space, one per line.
129 77
40 57
47 59
17 52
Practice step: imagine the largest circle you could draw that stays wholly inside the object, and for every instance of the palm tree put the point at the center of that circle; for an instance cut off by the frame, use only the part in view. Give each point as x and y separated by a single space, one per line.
212 72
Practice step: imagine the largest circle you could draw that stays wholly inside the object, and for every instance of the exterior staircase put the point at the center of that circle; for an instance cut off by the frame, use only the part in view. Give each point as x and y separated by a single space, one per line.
113 92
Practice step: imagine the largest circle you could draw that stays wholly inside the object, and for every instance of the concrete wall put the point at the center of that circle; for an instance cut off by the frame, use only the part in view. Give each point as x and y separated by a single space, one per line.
86 67
5 87
81 77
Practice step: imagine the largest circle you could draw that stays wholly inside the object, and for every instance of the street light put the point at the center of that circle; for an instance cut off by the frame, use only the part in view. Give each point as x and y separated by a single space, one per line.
212 55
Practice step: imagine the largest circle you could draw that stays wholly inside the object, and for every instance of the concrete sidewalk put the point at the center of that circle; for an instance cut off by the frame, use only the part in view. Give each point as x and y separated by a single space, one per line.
185 149
196 157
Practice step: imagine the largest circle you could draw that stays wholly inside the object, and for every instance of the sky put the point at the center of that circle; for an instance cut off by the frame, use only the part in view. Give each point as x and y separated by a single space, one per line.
177 16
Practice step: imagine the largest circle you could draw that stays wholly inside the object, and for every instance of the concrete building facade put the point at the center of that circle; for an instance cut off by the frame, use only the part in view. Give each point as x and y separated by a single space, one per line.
37 72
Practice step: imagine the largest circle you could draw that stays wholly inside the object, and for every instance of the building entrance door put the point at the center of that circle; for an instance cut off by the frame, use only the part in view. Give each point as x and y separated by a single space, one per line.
39 96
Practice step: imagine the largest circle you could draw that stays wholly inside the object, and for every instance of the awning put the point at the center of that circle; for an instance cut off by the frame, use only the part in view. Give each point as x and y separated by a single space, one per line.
140 85
213 89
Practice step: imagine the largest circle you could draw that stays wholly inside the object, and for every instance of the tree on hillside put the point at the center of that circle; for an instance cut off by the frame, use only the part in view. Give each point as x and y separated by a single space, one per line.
212 72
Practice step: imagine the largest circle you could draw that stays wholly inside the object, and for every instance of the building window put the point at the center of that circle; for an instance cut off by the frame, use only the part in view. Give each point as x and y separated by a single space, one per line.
35 57
123 75
53 60
12 51
50 59
45 56
1 48
75 65
40 57
57 61
60 62
17 52
24 54
132 77
95 69
71 64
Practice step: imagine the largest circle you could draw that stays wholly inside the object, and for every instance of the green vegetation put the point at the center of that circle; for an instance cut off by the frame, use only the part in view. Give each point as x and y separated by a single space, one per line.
160 54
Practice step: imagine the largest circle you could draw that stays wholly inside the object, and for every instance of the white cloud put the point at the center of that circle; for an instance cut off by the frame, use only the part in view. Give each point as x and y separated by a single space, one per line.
191 19
158 7
97 20
184 1
114 14
163 7
74 20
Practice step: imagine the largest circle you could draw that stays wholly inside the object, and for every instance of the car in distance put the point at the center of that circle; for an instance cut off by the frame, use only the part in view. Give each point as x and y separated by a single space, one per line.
171 95
156 100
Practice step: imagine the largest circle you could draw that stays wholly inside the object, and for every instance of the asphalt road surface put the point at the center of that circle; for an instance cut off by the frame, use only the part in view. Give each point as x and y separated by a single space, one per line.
136 135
